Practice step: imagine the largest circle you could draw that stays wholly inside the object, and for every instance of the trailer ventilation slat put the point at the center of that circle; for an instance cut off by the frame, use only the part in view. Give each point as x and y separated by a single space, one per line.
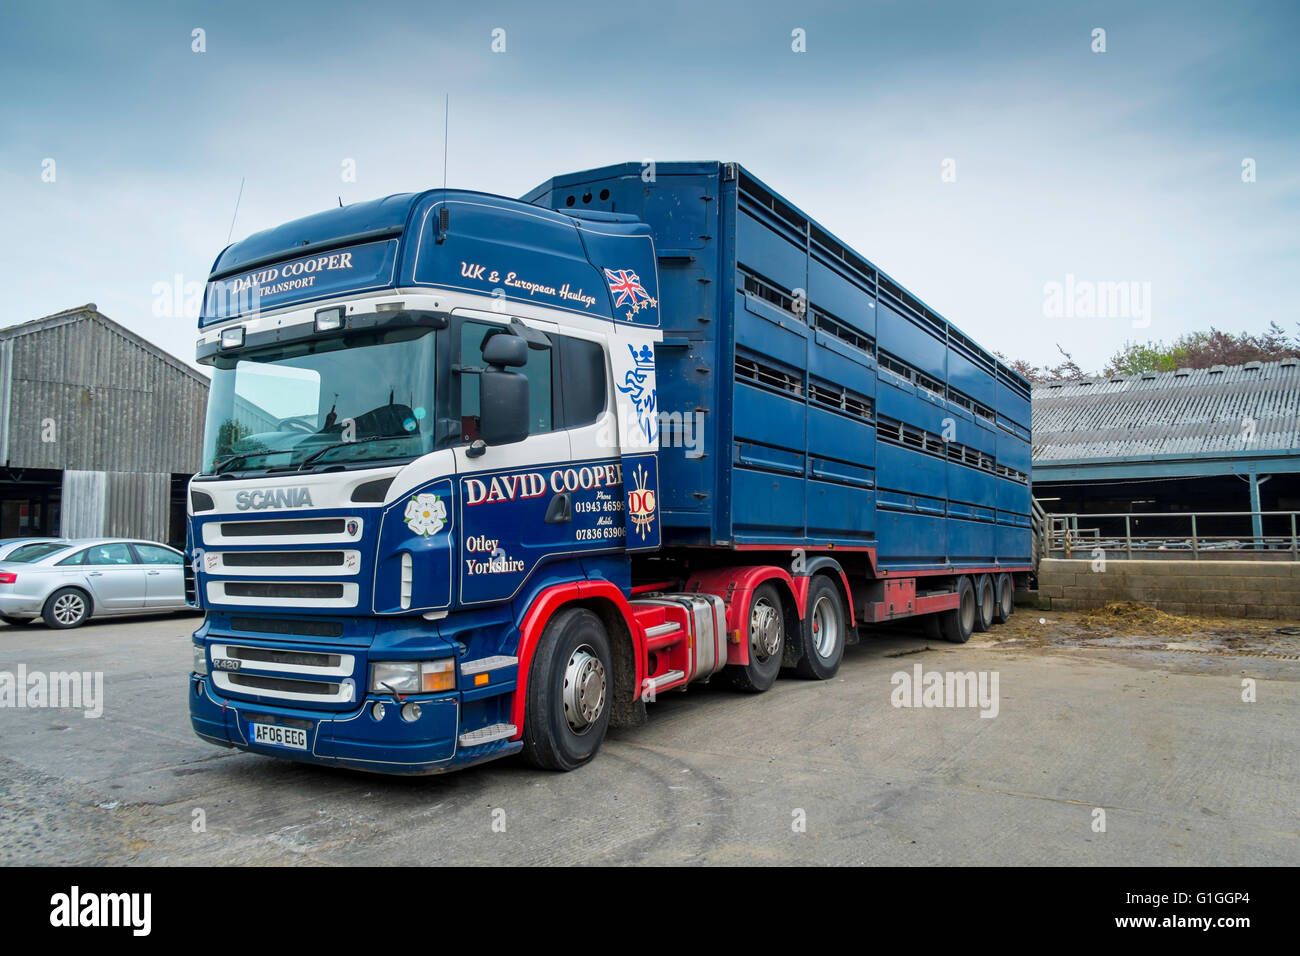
768 377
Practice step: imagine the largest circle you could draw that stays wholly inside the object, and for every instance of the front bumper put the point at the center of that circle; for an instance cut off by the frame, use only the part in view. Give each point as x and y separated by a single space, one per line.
353 739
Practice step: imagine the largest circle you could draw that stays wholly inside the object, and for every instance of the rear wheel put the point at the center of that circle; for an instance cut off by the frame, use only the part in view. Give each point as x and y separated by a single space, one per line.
569 687
825 629
67 607
958 624
1006 599
766 637
986 602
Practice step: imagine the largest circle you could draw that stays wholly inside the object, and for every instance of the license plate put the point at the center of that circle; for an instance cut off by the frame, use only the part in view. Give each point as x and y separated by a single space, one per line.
278 736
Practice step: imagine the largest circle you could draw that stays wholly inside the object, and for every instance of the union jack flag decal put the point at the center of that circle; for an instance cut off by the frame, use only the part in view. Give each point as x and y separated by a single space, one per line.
625 284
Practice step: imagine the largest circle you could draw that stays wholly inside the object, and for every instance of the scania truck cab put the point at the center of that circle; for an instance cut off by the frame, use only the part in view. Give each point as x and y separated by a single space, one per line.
429 526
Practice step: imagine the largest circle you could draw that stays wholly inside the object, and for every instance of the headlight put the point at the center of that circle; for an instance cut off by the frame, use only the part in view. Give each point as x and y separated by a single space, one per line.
412 677
200 659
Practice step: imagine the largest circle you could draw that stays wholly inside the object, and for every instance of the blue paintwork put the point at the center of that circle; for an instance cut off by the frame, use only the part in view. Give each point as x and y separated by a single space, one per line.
493 245
797 409
782 467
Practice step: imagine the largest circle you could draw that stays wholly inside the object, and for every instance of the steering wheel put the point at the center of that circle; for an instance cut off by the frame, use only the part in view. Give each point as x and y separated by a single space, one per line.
295 424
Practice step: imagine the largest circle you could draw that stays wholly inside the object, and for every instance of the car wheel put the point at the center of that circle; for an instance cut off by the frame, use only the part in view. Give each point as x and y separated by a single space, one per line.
67 607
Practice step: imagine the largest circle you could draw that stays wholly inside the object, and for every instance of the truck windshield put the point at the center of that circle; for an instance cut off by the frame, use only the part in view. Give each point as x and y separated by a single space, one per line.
322 402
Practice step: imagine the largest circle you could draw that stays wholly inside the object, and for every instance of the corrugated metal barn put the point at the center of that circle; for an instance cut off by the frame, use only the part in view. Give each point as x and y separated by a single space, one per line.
1222 439
99 430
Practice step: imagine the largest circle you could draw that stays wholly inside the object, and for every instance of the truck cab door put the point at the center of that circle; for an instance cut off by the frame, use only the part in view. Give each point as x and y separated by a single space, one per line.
511 515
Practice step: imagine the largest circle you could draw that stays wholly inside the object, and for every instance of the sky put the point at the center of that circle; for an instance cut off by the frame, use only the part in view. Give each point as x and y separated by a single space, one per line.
1036 189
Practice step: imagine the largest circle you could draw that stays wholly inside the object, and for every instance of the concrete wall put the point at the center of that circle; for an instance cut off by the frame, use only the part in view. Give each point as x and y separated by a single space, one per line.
1262 589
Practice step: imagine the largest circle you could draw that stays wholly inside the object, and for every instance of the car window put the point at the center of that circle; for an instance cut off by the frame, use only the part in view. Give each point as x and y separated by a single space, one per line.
109 554
78 558
33 552
155 554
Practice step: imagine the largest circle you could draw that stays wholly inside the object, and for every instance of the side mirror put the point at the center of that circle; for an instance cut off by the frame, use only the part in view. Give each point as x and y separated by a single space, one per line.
503 400
505 351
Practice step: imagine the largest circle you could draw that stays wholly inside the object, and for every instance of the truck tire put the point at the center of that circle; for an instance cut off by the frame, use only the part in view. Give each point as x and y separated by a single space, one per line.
570 682
67 607
986 602
957 625
1006 599
824 631
765 633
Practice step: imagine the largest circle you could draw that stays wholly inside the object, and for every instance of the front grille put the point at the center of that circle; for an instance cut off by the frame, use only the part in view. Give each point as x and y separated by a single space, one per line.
268 655
284 684
252 529
272 625
283 589
274 559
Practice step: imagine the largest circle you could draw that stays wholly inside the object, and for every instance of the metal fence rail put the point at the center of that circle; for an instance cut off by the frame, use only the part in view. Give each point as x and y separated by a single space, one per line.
1218 535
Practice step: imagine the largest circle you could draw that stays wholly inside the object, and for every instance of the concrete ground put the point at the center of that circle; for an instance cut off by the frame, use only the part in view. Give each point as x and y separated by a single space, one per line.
1153 731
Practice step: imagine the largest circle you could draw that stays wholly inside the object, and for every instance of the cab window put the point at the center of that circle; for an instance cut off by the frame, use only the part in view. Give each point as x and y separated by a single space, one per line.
541 383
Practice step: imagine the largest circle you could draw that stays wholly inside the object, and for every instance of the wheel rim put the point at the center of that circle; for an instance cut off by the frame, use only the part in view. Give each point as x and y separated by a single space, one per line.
69 608
968 611
986 602
764 629
1006 601
825 628
584 689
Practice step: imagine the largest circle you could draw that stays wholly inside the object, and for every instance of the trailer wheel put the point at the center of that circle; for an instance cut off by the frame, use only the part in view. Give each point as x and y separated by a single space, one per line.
569 687
765 632
1006 599
958 624
824 631
986 602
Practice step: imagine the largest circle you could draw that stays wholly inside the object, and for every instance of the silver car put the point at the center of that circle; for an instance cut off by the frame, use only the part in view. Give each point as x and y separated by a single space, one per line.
16 549
74 581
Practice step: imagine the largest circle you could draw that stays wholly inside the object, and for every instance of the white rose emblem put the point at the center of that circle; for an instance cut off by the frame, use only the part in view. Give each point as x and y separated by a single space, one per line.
426 514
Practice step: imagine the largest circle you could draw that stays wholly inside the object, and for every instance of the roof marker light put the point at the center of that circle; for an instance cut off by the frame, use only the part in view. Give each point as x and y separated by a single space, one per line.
327 320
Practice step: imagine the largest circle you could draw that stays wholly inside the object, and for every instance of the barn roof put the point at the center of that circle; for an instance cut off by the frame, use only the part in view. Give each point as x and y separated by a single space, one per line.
1237 412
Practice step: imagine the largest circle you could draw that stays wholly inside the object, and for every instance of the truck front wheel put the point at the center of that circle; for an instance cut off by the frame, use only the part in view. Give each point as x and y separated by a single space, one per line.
824 631
766 636
569 686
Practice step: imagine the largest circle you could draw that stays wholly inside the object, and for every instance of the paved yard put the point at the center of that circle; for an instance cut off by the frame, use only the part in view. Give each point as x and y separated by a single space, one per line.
1152 730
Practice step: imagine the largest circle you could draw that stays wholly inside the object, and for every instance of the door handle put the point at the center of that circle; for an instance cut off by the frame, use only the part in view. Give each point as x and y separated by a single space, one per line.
155 572
95 574
560 509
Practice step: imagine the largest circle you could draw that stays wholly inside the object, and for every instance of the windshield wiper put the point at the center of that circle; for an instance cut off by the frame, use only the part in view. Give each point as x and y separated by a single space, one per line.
343 444
218 469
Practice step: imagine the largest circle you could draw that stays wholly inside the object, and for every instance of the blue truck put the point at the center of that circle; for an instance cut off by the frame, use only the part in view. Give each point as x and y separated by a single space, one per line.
485 476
